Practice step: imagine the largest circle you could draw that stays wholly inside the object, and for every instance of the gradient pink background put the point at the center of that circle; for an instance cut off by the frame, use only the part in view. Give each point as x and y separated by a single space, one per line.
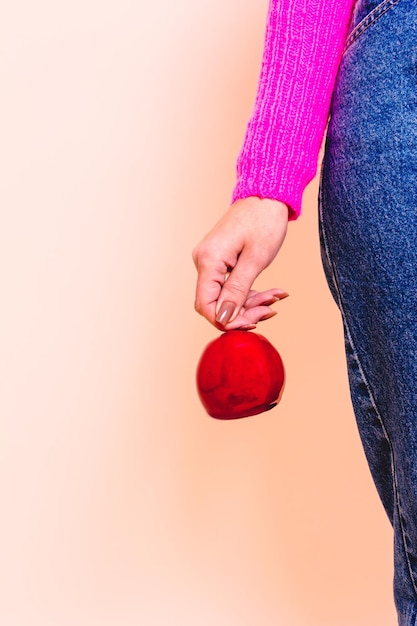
122 502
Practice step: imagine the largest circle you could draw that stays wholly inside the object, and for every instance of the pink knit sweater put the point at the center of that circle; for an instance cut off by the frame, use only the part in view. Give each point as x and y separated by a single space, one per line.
303 46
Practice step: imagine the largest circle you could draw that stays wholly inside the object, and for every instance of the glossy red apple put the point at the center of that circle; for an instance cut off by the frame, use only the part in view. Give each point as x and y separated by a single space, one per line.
239 374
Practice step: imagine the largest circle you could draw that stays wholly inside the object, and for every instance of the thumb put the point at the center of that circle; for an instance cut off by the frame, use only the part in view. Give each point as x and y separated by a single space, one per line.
236 288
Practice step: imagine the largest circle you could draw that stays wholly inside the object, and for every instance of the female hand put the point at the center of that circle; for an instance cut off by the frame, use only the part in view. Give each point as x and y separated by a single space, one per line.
229 258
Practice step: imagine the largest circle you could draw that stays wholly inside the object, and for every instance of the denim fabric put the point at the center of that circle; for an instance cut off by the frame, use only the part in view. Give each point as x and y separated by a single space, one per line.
368 231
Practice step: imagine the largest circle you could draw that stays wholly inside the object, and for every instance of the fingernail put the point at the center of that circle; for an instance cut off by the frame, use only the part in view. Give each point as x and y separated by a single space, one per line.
268 315
225 312
270 301
283 295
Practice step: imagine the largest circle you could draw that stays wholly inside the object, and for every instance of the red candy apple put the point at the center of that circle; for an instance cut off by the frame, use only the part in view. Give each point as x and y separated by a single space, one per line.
239 374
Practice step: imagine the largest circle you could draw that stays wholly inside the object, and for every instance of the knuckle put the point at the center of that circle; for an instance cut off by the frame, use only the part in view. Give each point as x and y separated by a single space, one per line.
198 307
201 254
236 287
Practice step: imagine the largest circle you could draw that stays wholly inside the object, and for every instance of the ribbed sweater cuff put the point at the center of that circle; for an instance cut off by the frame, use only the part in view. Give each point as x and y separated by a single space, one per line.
288 191
303 46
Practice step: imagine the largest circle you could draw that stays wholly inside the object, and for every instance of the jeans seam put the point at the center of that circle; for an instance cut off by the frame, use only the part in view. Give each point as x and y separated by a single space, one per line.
367 21
368 388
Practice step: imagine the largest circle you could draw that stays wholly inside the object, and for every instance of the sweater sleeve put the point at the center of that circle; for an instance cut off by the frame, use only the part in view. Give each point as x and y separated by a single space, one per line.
303 45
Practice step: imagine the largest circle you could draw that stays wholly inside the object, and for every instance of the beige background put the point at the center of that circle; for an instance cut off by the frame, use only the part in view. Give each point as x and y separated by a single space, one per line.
122 502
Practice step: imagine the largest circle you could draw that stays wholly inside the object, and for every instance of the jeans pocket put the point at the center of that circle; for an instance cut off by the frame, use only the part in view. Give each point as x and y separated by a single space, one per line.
365 14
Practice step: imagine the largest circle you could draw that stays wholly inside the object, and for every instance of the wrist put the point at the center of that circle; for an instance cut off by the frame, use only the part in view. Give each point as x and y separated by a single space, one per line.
268 204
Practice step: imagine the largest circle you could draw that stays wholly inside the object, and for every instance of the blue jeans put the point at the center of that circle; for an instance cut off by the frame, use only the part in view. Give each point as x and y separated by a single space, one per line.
368 231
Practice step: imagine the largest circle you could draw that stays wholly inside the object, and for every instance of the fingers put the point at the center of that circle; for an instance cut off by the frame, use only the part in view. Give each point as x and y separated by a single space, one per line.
227 302
250 318
210 280
256 309
265 298
230 258
224 297
236 288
